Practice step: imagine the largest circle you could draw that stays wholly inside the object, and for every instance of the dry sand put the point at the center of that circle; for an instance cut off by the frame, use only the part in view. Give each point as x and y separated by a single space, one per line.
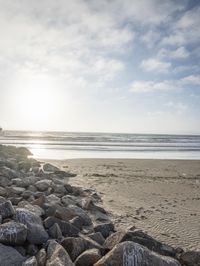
161 197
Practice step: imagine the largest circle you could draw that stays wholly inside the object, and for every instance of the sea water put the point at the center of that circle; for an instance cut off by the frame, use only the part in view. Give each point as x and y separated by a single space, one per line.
69 145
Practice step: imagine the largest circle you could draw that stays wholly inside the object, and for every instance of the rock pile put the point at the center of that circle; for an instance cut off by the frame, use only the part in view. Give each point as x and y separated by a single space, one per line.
45 221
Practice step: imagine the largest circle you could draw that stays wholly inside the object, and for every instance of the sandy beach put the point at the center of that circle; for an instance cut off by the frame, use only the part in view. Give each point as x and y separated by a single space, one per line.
160 197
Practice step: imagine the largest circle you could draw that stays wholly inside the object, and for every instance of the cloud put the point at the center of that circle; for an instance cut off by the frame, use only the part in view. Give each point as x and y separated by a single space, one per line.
179 53
191 80
179 107
185 30
154 64
150 86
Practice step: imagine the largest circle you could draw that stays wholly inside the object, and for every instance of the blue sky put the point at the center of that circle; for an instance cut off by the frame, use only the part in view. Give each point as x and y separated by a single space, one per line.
111 66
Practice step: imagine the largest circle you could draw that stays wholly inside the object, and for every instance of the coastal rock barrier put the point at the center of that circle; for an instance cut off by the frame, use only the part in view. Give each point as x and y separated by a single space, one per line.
46 221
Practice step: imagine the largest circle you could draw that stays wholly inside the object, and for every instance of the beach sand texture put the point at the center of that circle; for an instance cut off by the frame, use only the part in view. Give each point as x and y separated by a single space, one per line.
161 197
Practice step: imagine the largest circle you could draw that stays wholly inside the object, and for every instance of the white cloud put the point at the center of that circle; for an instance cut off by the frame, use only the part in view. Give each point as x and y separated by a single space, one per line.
179 53
186 30
154 64
191 80
179 107
149 86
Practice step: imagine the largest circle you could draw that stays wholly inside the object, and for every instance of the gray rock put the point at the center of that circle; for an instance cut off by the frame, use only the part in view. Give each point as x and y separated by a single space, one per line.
97 237
88 257
67 200
140 238
36 232
52 199
9 173
38 211
10 256
3 192
4 181
77 245
77 222
30 262
55 231
190 258
43 185
47 167
15 200
18 182
76 211
105 229
133 254
59 189
24 165
6 209
32 250
57 255
16 190
41 257
27 194
67 229
12 233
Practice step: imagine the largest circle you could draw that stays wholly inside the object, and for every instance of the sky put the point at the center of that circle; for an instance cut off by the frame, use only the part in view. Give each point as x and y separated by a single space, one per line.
100 66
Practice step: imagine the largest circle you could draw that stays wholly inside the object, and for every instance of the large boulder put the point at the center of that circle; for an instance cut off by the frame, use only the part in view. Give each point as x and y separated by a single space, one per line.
140 238
88 257
13 233
6 209
66 228
57 255
47 167
41 257
10 256
76 245
30 262
43 185
190 258
105 229
132 254
36 232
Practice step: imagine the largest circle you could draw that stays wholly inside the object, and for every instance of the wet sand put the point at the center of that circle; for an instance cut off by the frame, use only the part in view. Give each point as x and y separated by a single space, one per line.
161 197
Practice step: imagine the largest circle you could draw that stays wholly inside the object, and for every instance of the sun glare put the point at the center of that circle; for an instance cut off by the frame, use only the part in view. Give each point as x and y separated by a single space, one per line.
37 103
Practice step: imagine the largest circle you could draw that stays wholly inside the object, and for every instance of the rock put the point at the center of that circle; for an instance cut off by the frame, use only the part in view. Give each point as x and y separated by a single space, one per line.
47 167
9 173
67 229
88 257
3 192
27 194
55 231
16 190
52 199
76 245
190 258
18 182
12 233
21 250
77 222
133 254
97 237
59 189
67 200
142 239
4 182
32 208
57 255
36 232
32 250
24 165
43 185
2 199
10 256
24 152
39 201
76 211
105 229
41 257
30 262
15 200
6 209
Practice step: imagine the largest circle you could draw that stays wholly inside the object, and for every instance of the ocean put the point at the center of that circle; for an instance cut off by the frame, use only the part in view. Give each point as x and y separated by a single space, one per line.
69 145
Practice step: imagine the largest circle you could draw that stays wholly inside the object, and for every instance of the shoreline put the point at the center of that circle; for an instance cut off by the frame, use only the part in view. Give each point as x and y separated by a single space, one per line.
157 195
